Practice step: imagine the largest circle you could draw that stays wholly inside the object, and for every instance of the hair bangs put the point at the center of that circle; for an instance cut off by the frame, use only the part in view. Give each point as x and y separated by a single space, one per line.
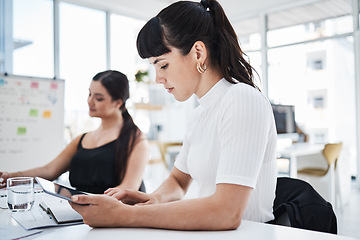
150 40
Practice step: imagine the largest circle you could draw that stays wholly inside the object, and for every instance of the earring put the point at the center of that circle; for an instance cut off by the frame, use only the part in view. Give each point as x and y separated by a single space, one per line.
201 69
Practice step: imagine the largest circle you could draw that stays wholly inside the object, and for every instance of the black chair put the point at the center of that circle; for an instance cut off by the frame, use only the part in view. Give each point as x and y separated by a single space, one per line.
298 205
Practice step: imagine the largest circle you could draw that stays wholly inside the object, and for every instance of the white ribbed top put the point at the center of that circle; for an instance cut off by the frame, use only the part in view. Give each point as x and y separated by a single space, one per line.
231 138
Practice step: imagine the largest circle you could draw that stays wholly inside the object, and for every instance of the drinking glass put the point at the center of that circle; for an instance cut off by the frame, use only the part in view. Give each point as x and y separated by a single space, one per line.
20 193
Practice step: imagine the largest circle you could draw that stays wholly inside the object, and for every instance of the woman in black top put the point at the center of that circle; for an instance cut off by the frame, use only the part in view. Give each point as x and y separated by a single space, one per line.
109 158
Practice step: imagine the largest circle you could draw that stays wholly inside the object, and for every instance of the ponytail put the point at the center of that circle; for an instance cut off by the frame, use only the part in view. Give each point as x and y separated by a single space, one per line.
228 52
125 143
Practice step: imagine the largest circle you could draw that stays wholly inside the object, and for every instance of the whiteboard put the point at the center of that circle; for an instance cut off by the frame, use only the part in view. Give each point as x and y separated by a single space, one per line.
31 121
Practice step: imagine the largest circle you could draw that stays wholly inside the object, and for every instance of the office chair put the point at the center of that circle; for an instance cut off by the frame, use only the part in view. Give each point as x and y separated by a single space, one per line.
317 175
297 204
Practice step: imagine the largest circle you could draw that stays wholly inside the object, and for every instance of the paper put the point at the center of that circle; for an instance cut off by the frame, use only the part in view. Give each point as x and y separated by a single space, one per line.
16 232
37 217
9 229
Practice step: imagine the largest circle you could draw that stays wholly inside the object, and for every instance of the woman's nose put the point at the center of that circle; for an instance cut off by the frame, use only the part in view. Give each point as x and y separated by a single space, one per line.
159 79
90 100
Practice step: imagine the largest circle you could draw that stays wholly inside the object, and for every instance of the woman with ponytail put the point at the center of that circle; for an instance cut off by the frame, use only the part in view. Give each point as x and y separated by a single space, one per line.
229 148
110 158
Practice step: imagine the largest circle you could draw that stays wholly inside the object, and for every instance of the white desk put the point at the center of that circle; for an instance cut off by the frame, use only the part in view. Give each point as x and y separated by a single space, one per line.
298 149
247 231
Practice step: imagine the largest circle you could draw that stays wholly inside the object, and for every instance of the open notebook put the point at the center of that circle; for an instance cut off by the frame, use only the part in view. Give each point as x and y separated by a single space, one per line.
48 211
60 209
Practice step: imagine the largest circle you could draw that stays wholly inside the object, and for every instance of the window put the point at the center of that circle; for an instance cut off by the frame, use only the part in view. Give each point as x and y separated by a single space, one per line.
316 60
359 15
82 55
33 53
318 79
248 34
250 42
309 22
254 58
311 66
124 55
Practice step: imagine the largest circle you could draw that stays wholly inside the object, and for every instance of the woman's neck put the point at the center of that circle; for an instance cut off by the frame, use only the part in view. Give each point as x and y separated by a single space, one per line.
208 80
112 122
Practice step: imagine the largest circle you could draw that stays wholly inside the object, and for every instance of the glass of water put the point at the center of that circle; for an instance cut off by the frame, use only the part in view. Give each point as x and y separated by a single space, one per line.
20 193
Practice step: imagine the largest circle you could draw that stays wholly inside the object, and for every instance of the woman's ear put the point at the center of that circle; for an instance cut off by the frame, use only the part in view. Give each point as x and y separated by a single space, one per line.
200 50
118 103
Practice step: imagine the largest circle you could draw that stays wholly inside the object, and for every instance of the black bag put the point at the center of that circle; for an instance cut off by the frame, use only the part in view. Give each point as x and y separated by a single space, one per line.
304 206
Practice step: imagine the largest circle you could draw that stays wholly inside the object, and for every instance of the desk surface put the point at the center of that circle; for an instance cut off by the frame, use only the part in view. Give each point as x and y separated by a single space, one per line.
296 150
299 149
247 231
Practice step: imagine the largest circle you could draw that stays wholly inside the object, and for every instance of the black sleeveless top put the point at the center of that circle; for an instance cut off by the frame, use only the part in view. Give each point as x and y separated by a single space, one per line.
94 170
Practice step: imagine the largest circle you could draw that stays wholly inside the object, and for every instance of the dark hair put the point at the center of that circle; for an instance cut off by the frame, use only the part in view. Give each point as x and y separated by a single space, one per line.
183 23
117 84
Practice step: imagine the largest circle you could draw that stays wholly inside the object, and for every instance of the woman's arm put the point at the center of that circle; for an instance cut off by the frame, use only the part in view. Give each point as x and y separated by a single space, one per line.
137 161
172 189
53 169
221 211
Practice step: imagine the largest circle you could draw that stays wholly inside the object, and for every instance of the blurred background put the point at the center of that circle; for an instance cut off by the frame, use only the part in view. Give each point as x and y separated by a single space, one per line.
306 54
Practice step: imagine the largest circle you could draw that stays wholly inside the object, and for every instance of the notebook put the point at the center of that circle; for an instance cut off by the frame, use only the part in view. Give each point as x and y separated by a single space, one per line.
39 217
60 209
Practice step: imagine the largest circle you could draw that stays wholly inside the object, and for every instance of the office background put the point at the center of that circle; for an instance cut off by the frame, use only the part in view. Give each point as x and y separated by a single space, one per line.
307 54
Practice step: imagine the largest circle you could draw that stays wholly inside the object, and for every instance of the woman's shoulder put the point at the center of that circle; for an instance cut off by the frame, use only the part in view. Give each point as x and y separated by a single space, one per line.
242 96
243 91
80 137
140 136
75 142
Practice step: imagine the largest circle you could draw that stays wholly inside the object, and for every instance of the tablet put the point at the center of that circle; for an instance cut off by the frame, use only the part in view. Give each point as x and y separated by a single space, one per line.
58 190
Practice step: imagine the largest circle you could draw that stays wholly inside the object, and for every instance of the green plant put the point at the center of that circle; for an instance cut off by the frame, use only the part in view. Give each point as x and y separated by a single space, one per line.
139 76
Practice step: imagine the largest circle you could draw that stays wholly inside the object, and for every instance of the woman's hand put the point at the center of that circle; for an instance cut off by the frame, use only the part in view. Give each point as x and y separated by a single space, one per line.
112 191
3 178
131 197
101 211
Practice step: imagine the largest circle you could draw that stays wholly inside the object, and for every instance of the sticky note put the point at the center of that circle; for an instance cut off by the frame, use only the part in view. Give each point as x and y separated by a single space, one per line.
53 85
47 114
34 85
21 130
33 112
2 82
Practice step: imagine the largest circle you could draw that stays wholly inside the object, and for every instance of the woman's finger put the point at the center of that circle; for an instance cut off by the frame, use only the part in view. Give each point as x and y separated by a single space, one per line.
85 199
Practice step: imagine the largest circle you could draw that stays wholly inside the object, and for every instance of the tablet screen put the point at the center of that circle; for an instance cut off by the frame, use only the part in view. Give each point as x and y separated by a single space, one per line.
57 189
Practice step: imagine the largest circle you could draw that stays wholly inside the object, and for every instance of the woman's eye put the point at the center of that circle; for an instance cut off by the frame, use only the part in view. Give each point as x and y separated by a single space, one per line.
164 66
99 99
